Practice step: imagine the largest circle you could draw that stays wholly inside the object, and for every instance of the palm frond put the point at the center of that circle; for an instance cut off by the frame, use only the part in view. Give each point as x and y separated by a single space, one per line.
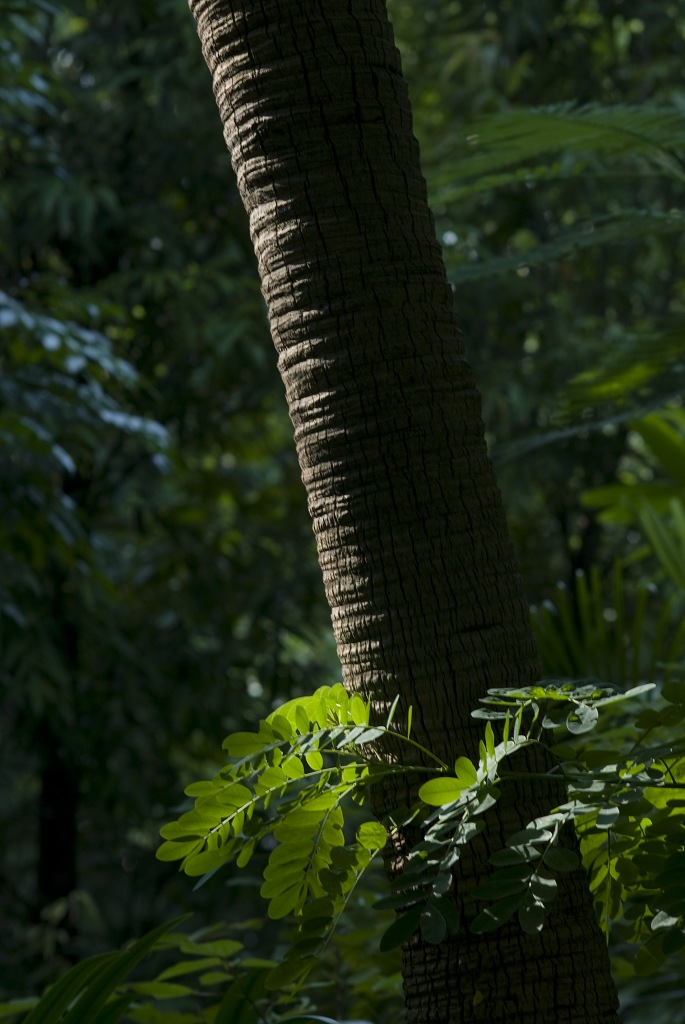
647 502
666 537
618 503
496 143
633 363
632 377
574 167
521 447
628 225
599 631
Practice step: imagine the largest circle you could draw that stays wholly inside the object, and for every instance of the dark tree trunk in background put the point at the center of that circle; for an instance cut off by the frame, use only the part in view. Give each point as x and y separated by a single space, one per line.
418 567
57 819
57 874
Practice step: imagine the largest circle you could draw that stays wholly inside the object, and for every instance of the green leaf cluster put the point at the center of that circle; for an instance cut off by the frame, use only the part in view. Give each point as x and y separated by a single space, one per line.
423 889
627 804
286 783
523 882
284 788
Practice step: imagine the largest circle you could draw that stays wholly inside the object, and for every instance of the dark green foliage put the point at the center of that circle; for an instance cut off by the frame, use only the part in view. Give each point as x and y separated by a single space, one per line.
158 583
540 178
615 631
206 980
649 493
530 136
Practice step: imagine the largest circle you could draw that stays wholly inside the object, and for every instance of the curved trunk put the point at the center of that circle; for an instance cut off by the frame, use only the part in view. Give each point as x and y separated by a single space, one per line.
411 534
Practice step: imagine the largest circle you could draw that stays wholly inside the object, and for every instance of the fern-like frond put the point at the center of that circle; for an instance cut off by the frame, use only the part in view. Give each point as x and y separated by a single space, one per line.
646 364
502 141
627 225
666 537
571 167
510 451
631 378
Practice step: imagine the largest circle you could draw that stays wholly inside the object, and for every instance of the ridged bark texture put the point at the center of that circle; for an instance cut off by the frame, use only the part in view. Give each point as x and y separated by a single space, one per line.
411 535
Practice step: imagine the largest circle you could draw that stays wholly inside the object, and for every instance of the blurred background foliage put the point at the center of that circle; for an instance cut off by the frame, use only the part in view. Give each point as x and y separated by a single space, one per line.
158 581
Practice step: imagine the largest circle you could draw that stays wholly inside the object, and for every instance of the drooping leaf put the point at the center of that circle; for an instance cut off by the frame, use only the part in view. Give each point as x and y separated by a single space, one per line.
433 925
532 915
496 914
401 929
560 859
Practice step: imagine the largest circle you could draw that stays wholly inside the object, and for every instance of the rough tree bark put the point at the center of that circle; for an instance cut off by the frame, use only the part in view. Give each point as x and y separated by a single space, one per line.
411 535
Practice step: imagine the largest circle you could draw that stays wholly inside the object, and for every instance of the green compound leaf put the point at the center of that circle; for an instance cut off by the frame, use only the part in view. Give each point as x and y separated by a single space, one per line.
663 920
291 777
189 967
449 911
287 901
673 942
177 850
280 725
649 959
288 973
543 888
200 789
509 857
607 817
161 989
529 835
302 720
400 901
332 881
314 760
292 766
674 693
488 715
246 853
359 711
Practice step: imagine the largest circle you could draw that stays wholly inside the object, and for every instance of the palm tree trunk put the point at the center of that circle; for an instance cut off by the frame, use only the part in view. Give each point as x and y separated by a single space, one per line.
418 567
